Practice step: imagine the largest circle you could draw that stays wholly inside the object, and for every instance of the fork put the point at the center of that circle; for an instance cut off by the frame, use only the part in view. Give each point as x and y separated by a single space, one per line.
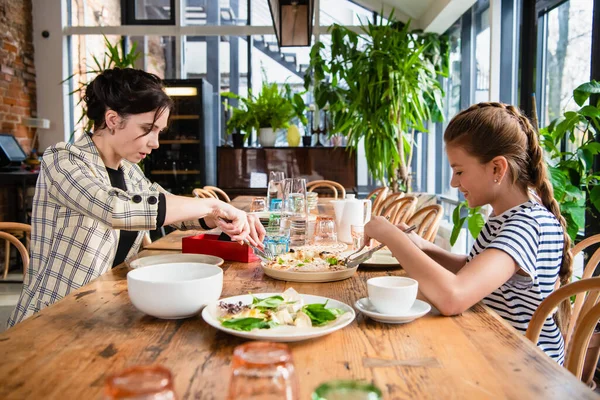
265 255
364 257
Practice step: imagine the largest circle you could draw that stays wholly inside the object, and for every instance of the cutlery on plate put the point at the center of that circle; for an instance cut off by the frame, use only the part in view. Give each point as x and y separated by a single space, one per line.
361 258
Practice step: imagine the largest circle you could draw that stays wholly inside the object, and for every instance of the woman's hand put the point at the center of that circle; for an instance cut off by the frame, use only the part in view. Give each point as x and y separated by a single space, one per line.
237 224
257 231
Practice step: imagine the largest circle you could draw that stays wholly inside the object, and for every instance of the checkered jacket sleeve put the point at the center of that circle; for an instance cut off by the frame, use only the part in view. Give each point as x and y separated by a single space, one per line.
76 182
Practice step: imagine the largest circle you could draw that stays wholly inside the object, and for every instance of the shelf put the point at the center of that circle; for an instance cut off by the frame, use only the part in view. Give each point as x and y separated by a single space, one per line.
185 117
171 172
179 141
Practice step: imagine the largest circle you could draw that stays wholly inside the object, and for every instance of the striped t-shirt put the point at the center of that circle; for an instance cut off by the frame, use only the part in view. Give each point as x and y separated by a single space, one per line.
533 237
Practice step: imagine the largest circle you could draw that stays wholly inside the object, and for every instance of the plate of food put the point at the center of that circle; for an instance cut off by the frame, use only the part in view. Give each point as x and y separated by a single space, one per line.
381 259
309 264
278 317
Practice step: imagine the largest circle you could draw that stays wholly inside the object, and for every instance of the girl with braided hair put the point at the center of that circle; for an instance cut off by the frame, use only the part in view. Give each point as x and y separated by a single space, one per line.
523 249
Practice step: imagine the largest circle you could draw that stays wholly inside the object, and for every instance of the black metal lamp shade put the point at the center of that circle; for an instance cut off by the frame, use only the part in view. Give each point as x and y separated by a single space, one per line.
292 20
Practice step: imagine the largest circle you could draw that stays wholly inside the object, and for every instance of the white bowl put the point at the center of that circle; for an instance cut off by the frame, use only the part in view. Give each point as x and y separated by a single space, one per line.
392 295
174 291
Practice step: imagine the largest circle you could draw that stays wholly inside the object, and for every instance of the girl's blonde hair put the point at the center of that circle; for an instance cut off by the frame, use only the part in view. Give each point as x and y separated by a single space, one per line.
488 130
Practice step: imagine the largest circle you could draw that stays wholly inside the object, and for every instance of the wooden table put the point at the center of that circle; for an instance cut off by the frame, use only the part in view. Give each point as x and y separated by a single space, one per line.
68 349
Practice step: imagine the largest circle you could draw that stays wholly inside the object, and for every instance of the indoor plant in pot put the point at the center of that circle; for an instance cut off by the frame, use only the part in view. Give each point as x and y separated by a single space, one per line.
381 85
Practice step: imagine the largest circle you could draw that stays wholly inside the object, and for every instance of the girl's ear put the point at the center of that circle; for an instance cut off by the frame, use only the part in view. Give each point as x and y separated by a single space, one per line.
499 167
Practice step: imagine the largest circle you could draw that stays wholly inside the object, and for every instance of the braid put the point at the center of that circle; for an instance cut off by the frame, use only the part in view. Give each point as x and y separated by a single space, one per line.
539 180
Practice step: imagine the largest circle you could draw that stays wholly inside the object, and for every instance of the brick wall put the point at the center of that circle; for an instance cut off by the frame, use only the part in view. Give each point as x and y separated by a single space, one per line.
17 71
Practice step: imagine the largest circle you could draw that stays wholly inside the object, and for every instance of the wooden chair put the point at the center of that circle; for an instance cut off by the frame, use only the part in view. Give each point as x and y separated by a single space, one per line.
383 205
204 194
218 192
7 232
334 186
584 327
400 210
588 271
378 196
427 220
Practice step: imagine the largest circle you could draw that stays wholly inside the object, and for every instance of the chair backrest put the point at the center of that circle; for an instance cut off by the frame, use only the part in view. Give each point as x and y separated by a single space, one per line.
400 210
22 250
218 192
588 271
337 188
427 220
383 205
575 352
377 196
204 194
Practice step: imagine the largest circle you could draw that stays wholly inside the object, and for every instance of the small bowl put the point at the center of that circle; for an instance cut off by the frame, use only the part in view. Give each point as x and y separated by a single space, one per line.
174 291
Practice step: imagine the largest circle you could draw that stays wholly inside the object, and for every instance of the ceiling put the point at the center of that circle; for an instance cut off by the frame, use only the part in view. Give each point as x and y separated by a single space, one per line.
430 15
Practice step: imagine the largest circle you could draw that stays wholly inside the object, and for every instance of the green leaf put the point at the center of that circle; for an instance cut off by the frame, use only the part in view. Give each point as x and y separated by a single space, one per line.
590 111
582 92
559 182
319 315
268 302
245 324
475 224
595 197
576 211
456 230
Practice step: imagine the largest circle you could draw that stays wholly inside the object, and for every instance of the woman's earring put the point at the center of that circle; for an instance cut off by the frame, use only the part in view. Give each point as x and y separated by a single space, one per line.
495 180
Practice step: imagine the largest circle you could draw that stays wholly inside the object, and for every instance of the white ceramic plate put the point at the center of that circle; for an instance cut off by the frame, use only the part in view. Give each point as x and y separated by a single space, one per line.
282 333
297 276
176 258
418 309
381 259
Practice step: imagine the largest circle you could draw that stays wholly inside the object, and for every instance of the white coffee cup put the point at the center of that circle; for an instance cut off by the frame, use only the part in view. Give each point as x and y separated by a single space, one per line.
393 295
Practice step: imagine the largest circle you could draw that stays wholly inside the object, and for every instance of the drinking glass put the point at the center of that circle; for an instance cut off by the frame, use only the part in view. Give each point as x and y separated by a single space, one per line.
325 232
143 382
277 237
347 389
274 188
258 204
263 370
358 236
294 208
312 198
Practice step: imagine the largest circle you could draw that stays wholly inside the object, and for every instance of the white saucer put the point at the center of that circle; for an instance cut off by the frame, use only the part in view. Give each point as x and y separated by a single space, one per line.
418 309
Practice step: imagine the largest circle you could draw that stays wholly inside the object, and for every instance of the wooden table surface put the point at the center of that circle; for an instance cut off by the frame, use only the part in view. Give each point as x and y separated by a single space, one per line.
68 349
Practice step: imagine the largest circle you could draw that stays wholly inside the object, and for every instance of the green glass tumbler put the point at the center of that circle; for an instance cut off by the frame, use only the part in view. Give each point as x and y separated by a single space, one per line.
347 390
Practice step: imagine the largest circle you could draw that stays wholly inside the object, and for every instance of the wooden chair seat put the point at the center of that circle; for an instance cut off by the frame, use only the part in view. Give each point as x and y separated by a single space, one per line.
377 196
383 205
401 209
204 194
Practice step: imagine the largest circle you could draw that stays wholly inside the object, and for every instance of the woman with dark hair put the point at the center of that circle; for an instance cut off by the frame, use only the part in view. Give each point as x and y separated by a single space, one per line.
93 204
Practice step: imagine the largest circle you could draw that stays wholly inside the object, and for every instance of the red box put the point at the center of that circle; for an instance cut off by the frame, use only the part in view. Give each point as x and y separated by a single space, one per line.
208 244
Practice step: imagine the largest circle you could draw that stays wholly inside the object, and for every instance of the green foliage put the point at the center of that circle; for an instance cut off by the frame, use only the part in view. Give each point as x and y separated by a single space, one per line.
474 220
273 107
380 85
114 57
571 171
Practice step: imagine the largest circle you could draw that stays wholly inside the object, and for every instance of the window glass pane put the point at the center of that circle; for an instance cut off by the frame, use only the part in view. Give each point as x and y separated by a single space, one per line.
452 102
153 9
94 13
343 12
223 12
482 55
157 54
568 55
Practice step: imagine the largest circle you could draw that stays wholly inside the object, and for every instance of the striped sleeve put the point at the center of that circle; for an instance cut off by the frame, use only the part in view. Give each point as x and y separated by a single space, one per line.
519 237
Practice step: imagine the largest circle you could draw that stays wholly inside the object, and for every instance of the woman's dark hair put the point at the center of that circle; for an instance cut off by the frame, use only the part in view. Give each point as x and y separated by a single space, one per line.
127 91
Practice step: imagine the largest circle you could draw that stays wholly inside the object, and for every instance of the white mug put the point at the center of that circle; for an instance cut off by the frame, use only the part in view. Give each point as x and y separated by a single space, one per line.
392 295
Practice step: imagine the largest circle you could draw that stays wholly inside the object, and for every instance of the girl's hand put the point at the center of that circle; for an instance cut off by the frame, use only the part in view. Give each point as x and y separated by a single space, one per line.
416 239
380 229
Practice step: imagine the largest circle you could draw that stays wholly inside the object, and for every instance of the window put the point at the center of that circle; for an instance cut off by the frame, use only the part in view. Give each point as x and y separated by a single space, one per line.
566 56
94 13
148 12
481 19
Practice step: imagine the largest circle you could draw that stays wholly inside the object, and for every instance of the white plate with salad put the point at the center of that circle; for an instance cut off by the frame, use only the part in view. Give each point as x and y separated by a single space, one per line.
278 317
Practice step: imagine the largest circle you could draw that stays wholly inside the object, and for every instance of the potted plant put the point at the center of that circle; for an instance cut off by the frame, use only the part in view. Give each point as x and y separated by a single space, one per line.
570 168
268 112
380 86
